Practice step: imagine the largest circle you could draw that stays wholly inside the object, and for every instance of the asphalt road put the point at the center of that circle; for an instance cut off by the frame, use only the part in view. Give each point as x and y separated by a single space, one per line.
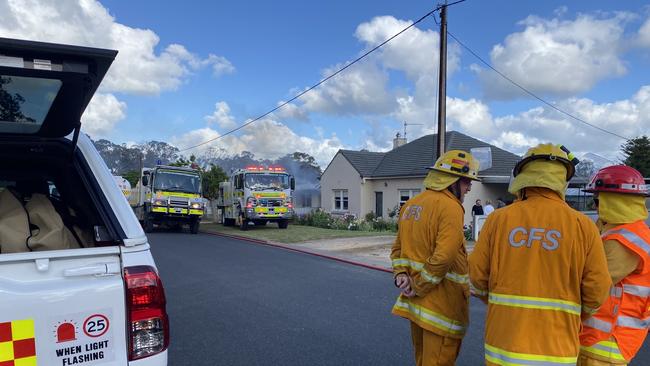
233 303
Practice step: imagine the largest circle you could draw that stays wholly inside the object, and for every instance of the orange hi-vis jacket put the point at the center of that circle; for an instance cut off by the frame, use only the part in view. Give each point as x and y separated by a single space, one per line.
430 248
539 265
626 313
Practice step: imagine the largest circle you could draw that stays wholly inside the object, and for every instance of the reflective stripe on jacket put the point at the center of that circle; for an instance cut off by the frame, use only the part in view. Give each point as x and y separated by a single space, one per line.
540 266
625 316
430 248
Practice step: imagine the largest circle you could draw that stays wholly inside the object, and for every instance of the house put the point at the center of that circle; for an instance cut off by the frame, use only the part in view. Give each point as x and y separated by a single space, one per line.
359 182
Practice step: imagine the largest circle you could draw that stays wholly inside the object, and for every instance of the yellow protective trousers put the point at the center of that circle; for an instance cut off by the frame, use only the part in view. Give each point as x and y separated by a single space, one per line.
585 360
432 349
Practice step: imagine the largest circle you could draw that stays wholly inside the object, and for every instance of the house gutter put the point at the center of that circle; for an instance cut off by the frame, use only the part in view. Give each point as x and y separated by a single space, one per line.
396 177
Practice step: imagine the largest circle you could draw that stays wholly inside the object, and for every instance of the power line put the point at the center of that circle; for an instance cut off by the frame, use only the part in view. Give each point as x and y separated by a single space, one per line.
533 94
322 81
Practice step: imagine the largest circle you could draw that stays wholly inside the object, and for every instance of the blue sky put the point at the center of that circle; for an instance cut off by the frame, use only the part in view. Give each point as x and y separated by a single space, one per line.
190 71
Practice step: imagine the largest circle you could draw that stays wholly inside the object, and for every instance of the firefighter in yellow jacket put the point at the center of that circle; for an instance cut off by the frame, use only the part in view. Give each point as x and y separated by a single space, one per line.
540 266
430 262
617 331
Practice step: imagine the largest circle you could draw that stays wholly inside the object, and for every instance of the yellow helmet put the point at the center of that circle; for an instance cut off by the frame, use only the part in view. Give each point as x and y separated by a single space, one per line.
459 163
549 152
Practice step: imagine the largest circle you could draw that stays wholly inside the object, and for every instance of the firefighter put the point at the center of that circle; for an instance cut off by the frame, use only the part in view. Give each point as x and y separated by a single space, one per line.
430 262
615 334
539 265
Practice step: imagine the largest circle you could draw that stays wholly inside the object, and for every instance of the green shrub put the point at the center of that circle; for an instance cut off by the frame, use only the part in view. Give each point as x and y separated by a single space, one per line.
467 230
394 212
370 216
365 226
321 219
381 224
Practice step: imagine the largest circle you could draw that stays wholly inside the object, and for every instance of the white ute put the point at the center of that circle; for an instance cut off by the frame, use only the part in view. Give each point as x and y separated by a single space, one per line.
78 284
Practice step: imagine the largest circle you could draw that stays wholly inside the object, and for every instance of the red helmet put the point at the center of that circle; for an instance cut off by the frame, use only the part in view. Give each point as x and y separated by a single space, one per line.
619 179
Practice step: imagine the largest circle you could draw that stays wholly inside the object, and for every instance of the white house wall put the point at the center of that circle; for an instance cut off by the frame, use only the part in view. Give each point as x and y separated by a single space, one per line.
340 174
390 188
483 192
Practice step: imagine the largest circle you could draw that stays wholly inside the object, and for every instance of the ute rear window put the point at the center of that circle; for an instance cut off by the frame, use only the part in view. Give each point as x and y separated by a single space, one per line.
25 102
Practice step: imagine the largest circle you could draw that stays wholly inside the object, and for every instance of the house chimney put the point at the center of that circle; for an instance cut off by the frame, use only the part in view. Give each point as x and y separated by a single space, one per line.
398 141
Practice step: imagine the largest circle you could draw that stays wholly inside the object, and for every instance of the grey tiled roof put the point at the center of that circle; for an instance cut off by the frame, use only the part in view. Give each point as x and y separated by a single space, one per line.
413 158
365 162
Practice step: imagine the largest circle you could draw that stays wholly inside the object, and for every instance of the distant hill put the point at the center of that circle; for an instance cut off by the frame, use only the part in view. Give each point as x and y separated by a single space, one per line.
121 159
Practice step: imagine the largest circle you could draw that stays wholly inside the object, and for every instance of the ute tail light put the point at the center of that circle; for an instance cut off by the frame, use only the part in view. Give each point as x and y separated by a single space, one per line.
147 318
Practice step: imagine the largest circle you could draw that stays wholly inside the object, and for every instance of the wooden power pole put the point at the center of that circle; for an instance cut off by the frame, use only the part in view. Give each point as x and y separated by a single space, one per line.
442 84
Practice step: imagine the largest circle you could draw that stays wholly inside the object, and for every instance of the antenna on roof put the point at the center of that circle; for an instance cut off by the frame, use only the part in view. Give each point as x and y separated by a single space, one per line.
410 124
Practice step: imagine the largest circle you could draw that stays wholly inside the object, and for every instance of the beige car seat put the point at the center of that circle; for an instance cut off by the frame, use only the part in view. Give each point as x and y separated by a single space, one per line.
14 226
47 229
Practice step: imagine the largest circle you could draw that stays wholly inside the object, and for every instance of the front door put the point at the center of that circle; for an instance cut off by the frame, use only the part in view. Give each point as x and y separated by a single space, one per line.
379 204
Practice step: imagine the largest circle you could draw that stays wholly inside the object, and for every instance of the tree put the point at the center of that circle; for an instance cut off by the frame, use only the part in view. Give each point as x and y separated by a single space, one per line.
211 179
637 154
10 109
133 176
585 169
182 162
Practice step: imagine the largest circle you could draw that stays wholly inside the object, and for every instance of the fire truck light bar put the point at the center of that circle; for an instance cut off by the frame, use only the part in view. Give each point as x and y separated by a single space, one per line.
259 168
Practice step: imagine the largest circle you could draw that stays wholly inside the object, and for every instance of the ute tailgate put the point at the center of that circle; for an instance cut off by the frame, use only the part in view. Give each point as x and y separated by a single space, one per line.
63 307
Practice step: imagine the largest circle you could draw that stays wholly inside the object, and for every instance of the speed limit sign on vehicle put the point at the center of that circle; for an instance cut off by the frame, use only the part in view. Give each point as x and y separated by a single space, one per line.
96 325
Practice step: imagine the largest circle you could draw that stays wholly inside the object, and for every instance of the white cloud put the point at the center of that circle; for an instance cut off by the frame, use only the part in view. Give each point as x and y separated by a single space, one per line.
628 118
361 89
470 115
102 114
268 139
220 65
221 116
291 111
138 68
519 131
415 51
572 56
644 34
515 142
379 137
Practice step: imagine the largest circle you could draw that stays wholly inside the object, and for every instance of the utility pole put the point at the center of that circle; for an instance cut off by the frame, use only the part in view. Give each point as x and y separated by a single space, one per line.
442 84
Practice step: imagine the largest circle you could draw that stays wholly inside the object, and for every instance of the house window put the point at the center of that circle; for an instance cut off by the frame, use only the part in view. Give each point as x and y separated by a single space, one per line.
407 194
340 199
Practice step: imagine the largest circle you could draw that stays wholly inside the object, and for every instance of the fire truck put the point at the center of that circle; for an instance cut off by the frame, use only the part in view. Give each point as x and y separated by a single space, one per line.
257 194
170 196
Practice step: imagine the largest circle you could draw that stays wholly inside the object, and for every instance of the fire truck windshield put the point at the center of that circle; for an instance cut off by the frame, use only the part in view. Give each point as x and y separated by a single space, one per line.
257 181
175 181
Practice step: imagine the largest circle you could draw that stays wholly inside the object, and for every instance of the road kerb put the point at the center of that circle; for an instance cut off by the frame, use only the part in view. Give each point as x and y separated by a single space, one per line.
287 247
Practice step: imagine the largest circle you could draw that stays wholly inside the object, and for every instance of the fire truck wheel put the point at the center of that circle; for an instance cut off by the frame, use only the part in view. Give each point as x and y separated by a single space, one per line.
194 226
147 225
243 223
283 224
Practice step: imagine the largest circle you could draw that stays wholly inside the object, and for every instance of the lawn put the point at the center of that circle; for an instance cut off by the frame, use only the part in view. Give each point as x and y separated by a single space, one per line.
293 234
